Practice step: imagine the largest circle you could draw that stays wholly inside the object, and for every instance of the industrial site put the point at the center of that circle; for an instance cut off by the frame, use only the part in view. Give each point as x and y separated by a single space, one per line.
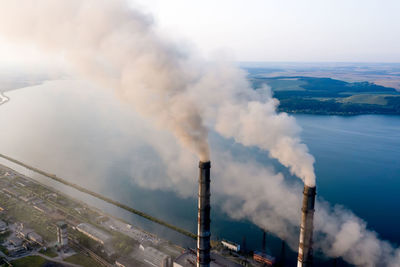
38 223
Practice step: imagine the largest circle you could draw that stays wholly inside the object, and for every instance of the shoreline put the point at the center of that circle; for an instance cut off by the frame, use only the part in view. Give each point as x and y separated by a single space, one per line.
338 114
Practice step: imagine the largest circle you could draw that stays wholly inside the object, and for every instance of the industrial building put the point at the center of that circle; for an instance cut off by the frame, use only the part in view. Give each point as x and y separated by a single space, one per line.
230 245
93 232
43 208
124 262
155 257
185 260
23 232
33 236
28 234
62 235
263 258
188 259
16 241
15 246
11 192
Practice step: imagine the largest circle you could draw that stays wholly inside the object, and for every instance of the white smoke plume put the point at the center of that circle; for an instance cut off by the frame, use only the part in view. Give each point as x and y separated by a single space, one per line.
117 47
249 116
338 232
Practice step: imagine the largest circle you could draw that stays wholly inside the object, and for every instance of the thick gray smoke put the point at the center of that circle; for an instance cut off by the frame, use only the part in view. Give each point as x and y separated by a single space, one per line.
117 47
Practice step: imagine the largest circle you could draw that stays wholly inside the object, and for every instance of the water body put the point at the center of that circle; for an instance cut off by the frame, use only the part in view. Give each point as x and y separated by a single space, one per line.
358 165
357 162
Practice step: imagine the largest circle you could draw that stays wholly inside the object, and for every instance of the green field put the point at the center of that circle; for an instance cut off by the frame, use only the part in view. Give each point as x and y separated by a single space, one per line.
81 259
371 99
21 211
31 261
49 253
289 84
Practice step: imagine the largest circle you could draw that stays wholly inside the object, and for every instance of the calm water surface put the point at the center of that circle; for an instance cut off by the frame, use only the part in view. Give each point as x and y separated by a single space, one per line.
358 165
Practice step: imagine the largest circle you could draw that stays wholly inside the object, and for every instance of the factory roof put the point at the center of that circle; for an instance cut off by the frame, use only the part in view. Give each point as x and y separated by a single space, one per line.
230 245
188 259
16 241
35 237
153 256
11 191
43 208
93 232
24 231
124 262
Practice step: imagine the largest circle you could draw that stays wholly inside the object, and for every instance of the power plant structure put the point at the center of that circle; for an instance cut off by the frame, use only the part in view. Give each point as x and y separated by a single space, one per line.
305 258
203 226
62 235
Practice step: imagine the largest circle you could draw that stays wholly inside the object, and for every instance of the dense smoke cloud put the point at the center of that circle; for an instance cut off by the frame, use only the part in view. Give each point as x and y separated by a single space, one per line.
249 116
338 232
117 47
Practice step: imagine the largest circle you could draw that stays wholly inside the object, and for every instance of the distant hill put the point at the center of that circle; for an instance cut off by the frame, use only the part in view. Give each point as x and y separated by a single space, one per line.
315 95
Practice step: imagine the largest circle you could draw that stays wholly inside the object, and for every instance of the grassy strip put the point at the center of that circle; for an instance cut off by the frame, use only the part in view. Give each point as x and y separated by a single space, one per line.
49 253
31 261
106 199
81 259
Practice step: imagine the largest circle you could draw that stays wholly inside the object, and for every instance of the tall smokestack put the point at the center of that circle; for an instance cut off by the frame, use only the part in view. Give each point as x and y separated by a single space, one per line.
203 227
264 241
305 258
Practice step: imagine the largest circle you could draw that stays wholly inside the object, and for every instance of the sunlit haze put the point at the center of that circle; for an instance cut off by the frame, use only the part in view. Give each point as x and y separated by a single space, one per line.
265 30
310 30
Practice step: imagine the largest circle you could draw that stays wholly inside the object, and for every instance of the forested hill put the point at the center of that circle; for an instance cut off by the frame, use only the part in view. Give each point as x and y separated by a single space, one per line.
311 95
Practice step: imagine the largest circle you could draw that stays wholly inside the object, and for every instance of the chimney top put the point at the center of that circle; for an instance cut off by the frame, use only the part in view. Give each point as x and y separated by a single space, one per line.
204 165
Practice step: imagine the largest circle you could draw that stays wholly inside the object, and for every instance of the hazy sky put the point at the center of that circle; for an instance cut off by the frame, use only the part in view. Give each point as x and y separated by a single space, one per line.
272 30
286 30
